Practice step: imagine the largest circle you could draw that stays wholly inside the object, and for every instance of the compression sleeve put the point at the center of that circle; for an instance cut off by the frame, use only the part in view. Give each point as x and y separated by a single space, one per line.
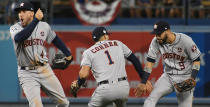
60 45
26 32
136 64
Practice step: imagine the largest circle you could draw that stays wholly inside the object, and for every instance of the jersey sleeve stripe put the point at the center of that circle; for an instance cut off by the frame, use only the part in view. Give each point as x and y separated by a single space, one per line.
196 57
129 54
151 57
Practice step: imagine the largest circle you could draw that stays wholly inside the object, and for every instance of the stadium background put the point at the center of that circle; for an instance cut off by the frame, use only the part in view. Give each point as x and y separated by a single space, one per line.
124 25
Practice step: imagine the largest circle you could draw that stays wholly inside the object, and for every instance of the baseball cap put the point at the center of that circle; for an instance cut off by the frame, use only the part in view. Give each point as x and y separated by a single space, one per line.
24 5
98 32
160 27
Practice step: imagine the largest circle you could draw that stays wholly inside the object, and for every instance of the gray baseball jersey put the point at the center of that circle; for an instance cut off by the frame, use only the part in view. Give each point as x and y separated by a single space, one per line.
178 56
32 50
32 75
107 62
107 59
178 60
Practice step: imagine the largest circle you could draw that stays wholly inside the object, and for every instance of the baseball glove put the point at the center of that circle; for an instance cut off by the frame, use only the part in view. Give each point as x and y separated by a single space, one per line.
186 85
60 61
74 88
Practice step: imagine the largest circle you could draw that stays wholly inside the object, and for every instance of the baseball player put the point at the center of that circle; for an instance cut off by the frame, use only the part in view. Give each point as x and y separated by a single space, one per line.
34 71
106 60
181 60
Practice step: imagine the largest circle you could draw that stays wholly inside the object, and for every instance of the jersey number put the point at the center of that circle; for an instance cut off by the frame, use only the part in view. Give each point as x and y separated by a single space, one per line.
109 57
181 64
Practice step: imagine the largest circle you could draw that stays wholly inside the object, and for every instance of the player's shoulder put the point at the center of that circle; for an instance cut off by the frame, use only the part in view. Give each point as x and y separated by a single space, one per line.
184 40
17 26
87 52
183 37
43 24
113 42
154 41
117 41
89 49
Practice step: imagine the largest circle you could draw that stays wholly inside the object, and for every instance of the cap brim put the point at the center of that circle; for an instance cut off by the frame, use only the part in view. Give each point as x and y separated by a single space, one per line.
20 8
153 32
17 9
156 32
108 33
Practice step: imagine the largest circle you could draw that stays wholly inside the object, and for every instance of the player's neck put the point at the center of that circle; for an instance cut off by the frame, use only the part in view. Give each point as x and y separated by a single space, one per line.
29 22
171 38
103 38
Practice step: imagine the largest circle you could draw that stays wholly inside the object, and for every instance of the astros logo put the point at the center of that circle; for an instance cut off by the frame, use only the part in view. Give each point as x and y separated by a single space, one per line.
194 48
21 4
42 33
179 49
155 26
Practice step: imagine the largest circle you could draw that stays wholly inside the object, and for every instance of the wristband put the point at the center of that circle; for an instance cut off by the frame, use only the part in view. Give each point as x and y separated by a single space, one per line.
81 81
145 77
194 73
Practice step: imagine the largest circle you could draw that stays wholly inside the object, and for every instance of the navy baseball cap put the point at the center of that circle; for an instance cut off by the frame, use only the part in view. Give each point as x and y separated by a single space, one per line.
24 5
160 27
98 32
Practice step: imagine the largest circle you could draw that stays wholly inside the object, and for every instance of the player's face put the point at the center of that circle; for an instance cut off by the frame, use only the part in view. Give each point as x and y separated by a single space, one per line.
25 17
162 38
106 37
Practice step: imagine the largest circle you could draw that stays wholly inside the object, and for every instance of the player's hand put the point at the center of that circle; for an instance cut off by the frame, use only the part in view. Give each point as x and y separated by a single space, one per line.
74 88
149 87
69 58
143 89
140 90
74 83
39 14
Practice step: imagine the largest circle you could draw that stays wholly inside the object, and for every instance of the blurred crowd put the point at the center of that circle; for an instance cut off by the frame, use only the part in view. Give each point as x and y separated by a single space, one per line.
7 14
195 9
159 8
165 8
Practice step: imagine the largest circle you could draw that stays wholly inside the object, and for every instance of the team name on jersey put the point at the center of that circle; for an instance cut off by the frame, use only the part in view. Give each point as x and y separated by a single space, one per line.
33 42
103 46
174 56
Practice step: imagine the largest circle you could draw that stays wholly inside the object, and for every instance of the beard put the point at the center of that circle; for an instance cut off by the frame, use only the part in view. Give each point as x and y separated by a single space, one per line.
163 40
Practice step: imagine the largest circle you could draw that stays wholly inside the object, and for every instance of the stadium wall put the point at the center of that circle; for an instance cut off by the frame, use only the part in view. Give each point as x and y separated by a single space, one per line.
79 39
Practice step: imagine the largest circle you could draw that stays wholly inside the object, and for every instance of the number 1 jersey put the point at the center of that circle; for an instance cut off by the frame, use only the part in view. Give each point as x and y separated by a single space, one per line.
106 59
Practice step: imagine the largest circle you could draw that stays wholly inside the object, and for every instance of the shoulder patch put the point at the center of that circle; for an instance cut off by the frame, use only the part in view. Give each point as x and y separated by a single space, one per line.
179 49
194 48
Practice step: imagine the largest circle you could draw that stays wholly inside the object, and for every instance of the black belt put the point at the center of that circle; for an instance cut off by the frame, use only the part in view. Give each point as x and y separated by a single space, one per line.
106 81
32 67
28 68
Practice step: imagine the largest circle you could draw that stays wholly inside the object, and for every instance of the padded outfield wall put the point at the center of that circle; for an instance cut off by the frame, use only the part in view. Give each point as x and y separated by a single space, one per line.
78 38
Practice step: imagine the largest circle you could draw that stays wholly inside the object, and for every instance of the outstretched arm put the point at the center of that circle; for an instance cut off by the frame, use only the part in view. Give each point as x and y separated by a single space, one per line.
134 60
60 45
145 86
83 74
143 74
147 70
